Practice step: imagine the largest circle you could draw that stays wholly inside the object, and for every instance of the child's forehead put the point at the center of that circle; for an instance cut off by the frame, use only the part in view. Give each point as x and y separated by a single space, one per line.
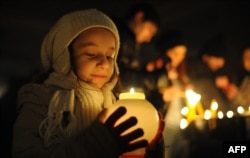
94 31
100 38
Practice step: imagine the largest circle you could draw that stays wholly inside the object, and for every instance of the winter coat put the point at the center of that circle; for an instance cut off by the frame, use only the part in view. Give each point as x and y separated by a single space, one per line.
33 100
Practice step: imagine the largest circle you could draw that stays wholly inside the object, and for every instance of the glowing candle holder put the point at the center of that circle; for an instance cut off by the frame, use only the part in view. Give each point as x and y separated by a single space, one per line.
194 105
213 111
214 107
144 111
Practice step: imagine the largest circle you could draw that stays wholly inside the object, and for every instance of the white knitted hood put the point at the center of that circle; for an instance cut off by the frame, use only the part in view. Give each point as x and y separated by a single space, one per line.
54 50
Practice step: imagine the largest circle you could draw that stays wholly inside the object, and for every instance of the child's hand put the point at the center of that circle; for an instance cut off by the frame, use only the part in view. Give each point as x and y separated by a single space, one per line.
123 141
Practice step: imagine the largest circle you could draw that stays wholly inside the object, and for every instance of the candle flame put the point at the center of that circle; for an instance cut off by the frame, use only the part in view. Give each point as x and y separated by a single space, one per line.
230 114
184 111
207 114
240 109
183 123
192 97
132 91
220 115
214 105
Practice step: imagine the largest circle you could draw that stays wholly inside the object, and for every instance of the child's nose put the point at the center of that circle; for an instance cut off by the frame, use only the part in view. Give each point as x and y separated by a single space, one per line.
103 61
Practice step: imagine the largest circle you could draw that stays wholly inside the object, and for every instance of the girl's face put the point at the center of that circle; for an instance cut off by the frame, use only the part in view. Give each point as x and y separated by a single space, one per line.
93 55
177 54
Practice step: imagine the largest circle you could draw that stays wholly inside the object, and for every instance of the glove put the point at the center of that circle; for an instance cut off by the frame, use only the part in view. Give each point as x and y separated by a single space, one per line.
123 141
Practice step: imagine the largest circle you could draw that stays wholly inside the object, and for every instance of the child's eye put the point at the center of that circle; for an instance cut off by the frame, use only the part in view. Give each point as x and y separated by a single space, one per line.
109 57
91 55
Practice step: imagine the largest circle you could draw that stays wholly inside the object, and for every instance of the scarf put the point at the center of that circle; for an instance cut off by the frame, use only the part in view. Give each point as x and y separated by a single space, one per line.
73 107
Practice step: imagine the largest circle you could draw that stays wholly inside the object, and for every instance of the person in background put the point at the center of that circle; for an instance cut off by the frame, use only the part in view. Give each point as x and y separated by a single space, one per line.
236 86
204 70
238 92
137 30
169 69
62 113
171 81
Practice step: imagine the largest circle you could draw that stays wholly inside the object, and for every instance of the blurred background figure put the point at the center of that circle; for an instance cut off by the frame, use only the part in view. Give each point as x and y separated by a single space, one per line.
137 30
209 66
238 92
170 80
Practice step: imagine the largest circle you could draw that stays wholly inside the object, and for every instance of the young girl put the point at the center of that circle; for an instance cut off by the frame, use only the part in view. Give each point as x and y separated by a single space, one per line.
62 116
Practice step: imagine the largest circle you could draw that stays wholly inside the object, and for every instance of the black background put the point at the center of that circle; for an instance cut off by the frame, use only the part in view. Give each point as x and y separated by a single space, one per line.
24 24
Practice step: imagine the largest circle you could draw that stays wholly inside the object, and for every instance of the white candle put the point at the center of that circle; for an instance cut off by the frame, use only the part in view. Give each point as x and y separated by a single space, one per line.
132 95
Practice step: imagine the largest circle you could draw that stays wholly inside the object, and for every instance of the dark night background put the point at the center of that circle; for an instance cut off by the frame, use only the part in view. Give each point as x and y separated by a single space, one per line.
23 24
